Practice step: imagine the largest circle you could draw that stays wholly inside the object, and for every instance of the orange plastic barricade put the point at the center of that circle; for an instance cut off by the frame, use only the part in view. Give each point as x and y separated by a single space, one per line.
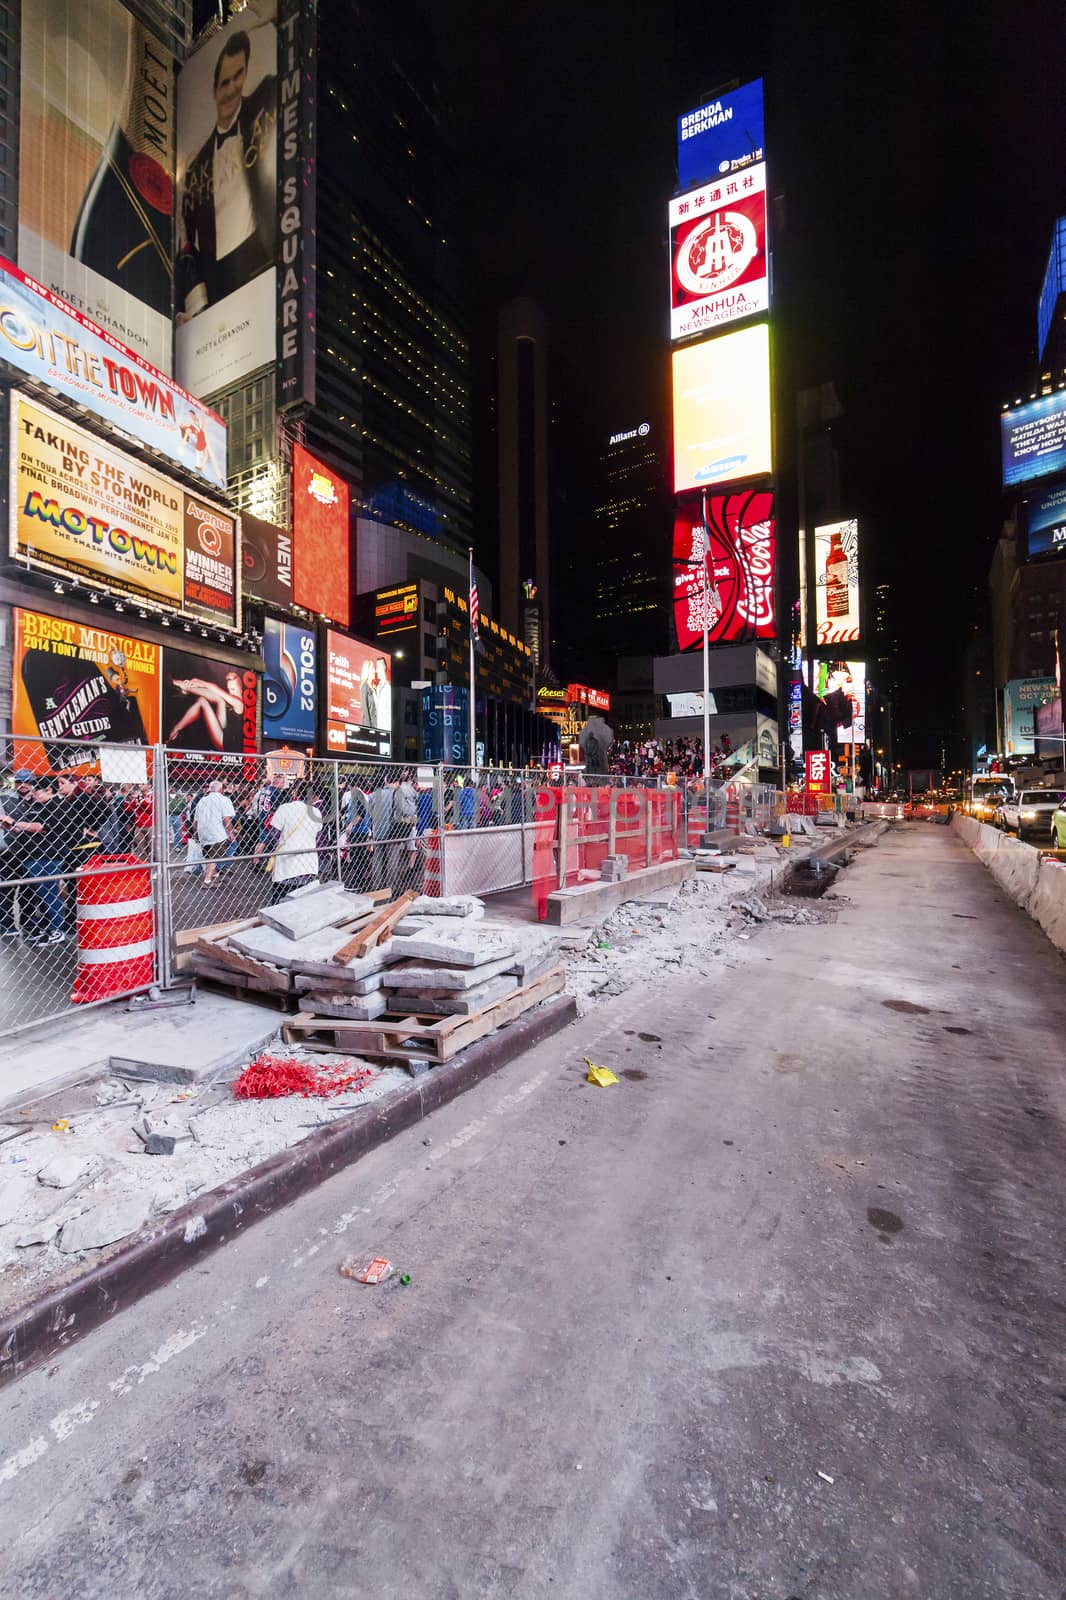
116 929
546 803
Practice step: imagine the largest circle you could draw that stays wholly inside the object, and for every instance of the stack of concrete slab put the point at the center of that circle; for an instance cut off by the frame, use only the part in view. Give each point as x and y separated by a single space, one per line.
455 965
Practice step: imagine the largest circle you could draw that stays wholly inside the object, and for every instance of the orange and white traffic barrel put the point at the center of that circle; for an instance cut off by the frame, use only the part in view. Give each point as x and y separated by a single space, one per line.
432 879
116 929
732 808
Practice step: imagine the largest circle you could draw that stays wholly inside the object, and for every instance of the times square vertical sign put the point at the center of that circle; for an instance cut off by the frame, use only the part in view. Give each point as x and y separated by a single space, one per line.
297 137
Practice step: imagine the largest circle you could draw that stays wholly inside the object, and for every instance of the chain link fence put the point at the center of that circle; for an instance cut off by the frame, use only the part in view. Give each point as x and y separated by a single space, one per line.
109 854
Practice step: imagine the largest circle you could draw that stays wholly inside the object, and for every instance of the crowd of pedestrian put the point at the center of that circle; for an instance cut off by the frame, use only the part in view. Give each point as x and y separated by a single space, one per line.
666 758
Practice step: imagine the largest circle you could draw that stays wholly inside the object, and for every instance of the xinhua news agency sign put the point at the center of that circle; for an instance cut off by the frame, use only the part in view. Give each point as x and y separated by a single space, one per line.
43 336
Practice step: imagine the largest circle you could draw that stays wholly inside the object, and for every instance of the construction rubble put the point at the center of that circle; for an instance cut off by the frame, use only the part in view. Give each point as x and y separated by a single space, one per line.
379 989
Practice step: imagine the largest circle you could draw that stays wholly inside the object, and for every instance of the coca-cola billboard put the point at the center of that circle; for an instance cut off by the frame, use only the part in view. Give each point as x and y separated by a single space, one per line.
734 535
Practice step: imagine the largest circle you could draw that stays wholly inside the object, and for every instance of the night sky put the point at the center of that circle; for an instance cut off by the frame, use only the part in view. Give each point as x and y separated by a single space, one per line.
919 150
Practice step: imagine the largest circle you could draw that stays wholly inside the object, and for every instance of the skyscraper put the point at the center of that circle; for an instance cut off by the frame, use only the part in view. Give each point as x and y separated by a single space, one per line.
629 549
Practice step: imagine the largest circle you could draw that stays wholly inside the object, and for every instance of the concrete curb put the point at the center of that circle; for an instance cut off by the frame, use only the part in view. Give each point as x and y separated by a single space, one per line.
51 1323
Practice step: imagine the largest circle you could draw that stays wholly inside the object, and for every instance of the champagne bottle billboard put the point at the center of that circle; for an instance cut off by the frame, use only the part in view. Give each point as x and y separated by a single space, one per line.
96 167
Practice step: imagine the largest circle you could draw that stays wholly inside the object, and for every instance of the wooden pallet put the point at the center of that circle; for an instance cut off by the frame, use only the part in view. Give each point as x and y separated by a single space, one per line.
416 1036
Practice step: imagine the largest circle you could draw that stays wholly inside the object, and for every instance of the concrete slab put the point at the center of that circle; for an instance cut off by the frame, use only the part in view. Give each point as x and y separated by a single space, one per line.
449 905
358 1008
196 1042
462 1003
471 945
310 913
592 901
311 954
410 976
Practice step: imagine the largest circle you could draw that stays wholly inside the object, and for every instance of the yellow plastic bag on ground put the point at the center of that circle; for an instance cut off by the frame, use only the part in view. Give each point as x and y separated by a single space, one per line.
603 1076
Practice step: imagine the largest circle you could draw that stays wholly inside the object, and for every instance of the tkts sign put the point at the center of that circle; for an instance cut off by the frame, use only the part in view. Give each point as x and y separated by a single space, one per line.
734 534
718 253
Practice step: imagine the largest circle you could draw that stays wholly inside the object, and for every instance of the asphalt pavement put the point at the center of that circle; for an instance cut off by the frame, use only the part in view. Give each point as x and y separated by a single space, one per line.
778 1315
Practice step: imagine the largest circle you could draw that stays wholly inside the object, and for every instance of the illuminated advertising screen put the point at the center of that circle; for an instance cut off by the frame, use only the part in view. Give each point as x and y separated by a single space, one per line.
721 394
290 698
358 697
266 561
1033 439
73 681
836 583
1046 523
396 610
819 772
82 509
96 167
724 135
209 706
1053 286
718 262
732 536
1022 700
44 336
224 273
320 537
841 686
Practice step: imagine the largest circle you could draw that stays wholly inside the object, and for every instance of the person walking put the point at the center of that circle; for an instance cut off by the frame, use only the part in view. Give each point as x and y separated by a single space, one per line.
296 824
16 850
214 828
46 861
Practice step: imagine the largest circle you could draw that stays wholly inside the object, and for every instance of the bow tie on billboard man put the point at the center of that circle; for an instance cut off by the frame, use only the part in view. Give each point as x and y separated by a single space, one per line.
228 204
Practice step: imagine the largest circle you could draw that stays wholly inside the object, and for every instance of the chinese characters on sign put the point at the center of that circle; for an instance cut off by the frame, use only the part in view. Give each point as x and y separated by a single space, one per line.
718 254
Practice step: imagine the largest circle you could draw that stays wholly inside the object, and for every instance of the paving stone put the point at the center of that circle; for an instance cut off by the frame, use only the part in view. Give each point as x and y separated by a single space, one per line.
193 1042
465 947
358 1008
414 976
450 905
104 1224
310 913
311 954
321 984
463 1003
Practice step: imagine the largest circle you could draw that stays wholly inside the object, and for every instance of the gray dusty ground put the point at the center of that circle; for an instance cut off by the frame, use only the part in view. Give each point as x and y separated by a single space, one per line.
814 1230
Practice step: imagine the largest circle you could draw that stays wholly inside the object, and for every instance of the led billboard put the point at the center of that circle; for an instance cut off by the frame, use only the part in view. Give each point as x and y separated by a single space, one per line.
209 706
84 510
1053 286
73 681
841 686
734 535
1022 699
835 574
320 537
721 393
358 697
723 135
266 561
290 699
96 167
224 289
718 262
1033 439
48 339
1045 517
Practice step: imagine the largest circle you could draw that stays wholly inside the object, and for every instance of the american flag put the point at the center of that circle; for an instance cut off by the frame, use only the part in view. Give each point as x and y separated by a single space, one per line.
475 610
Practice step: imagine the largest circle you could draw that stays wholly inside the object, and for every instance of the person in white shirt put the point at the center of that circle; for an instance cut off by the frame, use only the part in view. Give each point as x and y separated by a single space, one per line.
297 825
214 827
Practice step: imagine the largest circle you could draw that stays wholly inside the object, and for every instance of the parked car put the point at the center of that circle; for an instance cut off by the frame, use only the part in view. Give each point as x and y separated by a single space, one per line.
1030 812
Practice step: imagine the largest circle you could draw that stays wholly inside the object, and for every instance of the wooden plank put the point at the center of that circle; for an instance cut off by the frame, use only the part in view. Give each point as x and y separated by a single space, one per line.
379 927
214 930
221 955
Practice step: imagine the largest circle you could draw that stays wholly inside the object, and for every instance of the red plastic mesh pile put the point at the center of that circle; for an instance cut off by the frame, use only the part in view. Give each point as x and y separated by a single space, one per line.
272 1077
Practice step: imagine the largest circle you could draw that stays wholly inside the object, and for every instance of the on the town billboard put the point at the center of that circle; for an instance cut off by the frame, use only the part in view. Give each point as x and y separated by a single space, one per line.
1033 439
358 697
731 537
96 167
723 135
71 680
1046 523
718 258
836 583
721 393
48 339
841 685
83 510
320 537
290 699
224 290
208 705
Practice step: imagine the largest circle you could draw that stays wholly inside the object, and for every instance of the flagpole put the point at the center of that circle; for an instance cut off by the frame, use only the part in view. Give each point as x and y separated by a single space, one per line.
470 619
